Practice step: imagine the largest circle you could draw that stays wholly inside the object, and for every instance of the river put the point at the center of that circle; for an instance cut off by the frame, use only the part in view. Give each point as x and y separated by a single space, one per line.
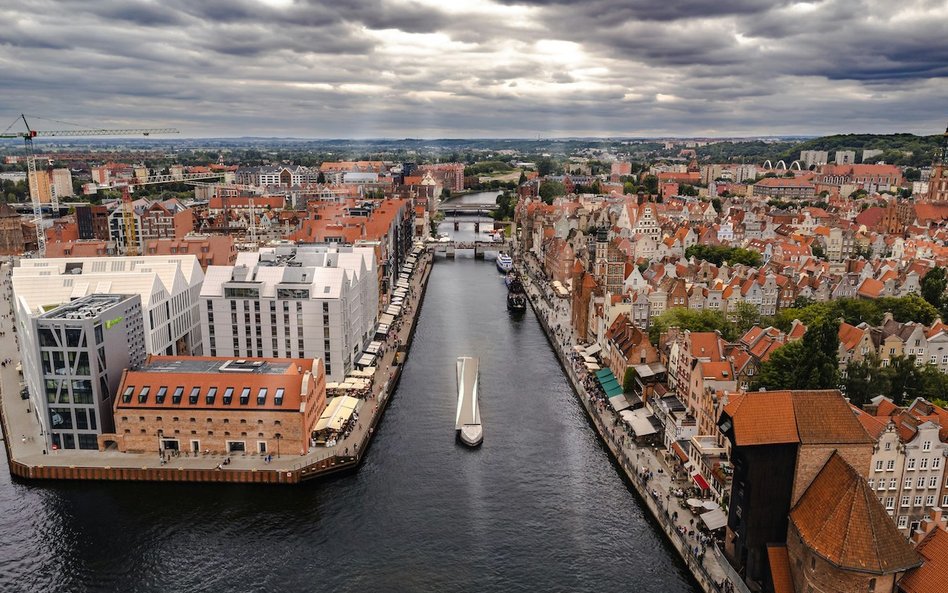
539 507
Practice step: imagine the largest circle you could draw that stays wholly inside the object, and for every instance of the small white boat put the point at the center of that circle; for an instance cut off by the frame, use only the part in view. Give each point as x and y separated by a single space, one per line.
504 262
468 419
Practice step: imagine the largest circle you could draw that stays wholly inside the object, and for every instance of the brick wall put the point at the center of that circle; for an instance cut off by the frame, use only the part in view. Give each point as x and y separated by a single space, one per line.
810 572
812 458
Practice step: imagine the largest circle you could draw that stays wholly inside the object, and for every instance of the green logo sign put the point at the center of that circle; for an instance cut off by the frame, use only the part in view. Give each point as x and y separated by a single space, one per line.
113 322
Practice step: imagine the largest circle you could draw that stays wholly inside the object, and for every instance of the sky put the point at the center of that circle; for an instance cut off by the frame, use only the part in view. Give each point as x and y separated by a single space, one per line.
479 68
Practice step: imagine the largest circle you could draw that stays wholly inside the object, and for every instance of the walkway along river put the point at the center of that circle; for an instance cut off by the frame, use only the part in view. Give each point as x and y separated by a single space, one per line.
539 507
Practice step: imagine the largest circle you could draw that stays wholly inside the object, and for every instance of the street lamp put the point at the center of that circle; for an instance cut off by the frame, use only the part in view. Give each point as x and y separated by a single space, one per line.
278 436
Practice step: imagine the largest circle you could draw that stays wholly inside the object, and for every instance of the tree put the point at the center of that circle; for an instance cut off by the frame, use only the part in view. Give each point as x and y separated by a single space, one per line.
902 376
818 251
523 177
864 380
551 189
545 166
746 316
651 184
716 204
810 363
781 371
628 381
933 287
697 321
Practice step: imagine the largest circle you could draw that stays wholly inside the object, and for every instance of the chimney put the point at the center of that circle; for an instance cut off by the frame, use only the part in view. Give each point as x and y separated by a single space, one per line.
887 317
935 519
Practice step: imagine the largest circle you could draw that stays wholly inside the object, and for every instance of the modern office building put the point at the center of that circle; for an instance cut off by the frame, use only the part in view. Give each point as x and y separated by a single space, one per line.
312 301
196 403
169 287
73 361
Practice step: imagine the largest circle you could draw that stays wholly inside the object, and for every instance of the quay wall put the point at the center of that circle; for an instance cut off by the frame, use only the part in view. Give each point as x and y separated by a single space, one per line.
293 474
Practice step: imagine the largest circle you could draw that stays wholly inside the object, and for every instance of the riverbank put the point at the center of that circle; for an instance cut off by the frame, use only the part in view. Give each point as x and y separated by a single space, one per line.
27 459
643 467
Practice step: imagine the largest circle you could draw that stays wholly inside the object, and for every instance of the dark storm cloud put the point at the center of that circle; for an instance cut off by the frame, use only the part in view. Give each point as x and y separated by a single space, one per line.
481 68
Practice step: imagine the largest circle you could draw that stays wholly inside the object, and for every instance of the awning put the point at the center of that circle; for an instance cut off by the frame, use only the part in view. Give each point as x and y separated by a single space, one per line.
588 358
369 372
593 349
638 420
680 452
715 519
373 347
613 391
700 481
386 319
603 373
592 366
338 411
610 384
382 329
366 360
619 402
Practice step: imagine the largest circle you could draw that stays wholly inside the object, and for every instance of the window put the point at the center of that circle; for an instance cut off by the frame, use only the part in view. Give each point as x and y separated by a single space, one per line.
890 502
923 463
903 521
930 500
905 501
908 483
193 396
245 396
933 482
871 483
921 482
918 501
893 484
888 446
211 394
160 396
890 465
879 466
278 397
127 394
936 463
228 396
176 396
262 396
911 464
927 446
143 394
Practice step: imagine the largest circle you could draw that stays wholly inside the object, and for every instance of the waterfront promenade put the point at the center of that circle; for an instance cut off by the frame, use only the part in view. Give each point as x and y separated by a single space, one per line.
28 456
645 467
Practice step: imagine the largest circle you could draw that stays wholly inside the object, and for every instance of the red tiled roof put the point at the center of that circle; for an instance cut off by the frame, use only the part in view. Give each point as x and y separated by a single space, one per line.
931 577
840 519
780 569
777 417
290 380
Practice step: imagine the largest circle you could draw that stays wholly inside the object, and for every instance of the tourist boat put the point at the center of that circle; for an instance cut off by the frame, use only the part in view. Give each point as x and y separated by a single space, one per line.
509 278
504 262
467 422
516 296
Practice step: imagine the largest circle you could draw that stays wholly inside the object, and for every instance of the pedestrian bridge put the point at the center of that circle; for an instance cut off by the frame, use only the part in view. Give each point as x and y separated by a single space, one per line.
450 248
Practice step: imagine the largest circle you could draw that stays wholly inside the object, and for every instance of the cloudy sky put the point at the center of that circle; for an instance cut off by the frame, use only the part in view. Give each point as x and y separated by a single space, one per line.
479 68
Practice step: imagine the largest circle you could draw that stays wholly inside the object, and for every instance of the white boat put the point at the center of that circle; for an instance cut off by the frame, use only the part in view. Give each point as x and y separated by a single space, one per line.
468 419
504 262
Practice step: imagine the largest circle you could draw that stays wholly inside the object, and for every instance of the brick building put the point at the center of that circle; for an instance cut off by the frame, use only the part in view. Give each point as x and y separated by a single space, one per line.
780 441
260 405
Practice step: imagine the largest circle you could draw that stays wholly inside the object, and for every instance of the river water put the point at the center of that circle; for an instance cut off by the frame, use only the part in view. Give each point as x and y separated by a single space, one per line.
539 507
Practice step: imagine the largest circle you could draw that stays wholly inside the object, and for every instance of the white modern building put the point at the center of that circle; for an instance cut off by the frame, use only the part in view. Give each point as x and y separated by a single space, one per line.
308 301
169 287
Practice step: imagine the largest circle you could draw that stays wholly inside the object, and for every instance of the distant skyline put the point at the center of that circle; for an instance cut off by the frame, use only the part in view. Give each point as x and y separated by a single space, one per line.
479 68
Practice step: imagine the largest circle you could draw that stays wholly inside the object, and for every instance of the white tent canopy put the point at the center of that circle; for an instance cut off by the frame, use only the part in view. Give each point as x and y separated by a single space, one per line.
715 519
338 411
638 420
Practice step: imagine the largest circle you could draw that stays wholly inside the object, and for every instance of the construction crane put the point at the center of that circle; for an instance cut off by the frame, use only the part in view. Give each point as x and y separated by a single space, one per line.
33 181
128 208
